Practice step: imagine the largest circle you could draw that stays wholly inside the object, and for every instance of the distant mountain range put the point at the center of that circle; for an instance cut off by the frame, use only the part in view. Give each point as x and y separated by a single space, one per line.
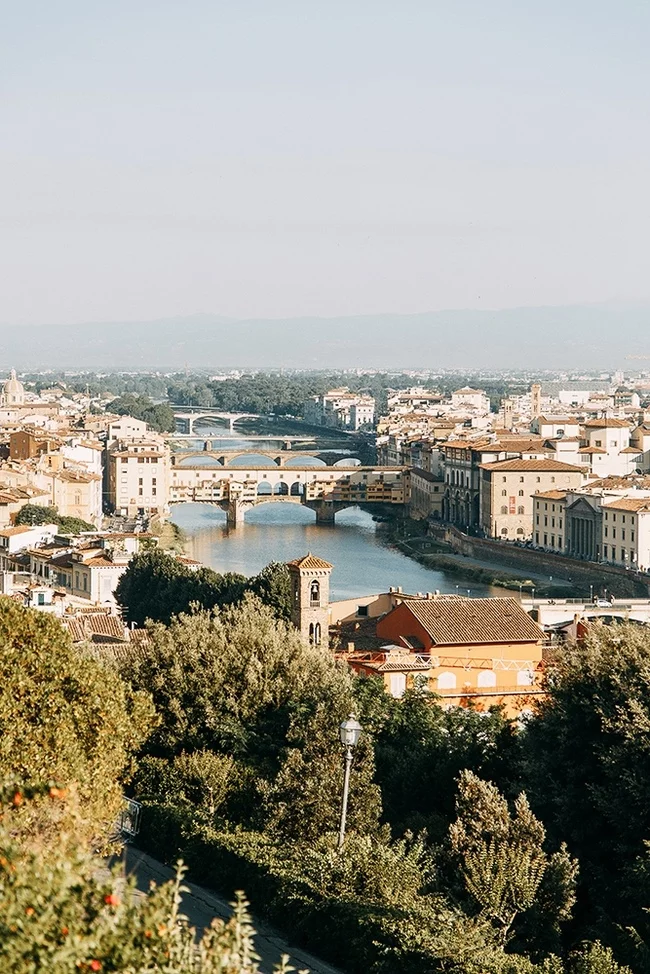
576 337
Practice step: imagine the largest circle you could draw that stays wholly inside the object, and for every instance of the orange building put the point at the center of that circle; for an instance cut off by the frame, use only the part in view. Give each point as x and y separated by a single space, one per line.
479 652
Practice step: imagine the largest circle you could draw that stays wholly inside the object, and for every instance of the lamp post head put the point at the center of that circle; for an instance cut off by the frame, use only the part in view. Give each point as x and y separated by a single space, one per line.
350 731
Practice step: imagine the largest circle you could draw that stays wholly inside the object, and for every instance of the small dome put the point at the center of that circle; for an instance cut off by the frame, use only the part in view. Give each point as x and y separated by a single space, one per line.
13 385
13 391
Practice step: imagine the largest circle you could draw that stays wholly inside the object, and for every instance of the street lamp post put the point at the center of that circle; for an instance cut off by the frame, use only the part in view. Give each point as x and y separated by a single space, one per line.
349 733
591 593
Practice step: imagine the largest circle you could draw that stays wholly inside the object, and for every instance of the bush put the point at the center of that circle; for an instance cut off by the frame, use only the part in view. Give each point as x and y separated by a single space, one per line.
63 716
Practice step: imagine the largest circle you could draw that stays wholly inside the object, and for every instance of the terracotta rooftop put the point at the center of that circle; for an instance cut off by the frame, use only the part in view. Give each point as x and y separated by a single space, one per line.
605 424
310 562
459 622
628 504
523 465
552 495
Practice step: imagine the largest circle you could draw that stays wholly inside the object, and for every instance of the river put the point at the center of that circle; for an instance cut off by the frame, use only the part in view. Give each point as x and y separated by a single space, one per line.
358 547
364 561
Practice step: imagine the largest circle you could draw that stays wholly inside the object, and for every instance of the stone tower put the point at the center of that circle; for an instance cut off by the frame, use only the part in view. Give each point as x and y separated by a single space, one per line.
310 598
536 400
508 413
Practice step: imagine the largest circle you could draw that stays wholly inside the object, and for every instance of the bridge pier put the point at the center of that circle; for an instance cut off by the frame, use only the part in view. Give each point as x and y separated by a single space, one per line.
234 513
324 511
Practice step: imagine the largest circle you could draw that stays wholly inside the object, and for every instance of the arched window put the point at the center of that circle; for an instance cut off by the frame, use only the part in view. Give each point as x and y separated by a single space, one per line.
311 633
521 493
520 510
487 678
504 530
520 530
504 493
317 634
447 681
504 509
314 593
525 678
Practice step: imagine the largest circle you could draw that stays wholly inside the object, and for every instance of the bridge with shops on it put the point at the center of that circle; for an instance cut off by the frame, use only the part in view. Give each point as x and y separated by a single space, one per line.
555 613
325 490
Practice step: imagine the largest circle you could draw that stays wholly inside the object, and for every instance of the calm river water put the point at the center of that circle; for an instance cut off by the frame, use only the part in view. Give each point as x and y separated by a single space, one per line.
364 562
357 546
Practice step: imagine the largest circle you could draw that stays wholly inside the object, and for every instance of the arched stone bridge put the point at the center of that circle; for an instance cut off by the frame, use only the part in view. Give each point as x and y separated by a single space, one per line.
187 418
325 490
286 458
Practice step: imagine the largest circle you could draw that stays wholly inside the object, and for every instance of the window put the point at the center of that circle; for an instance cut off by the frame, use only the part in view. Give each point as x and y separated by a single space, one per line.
537 519
504 531
521 493
362 610
552 522
545 540
520 530
487 678
504 493
525 678
623 534
447 681
521 480
504 509
397 684
605 551
314 593
520 510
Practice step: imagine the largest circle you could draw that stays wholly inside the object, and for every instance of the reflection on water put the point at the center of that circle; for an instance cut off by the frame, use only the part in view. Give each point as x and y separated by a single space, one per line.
363 561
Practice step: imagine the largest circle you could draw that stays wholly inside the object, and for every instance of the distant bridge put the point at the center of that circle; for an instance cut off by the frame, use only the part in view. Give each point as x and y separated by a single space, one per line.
187 418
286 441
553 613
325 490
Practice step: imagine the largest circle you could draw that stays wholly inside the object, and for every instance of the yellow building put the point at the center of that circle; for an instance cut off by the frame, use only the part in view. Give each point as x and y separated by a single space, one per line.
507 489
472 652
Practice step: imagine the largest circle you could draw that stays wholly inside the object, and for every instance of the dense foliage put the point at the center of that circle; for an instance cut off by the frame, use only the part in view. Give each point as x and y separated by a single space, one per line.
159 416
157 586
63 717
34 514
59 915
241 773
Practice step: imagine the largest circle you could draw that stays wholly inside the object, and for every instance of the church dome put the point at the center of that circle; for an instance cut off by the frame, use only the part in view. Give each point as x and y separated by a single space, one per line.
13 390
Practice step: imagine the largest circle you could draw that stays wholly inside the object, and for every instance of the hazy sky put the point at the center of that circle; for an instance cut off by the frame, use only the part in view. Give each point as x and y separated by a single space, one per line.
279 158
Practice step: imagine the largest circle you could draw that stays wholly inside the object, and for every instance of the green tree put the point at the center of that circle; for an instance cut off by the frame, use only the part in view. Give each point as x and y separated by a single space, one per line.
421 748
273 587
501 856
62 716
158 416
588 754
58 915
158 586
241 682
33 514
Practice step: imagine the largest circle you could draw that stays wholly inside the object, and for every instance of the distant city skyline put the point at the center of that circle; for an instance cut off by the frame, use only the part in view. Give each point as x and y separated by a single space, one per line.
256 160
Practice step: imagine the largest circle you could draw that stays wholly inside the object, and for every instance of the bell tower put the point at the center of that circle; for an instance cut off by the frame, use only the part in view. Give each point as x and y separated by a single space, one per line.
310 598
